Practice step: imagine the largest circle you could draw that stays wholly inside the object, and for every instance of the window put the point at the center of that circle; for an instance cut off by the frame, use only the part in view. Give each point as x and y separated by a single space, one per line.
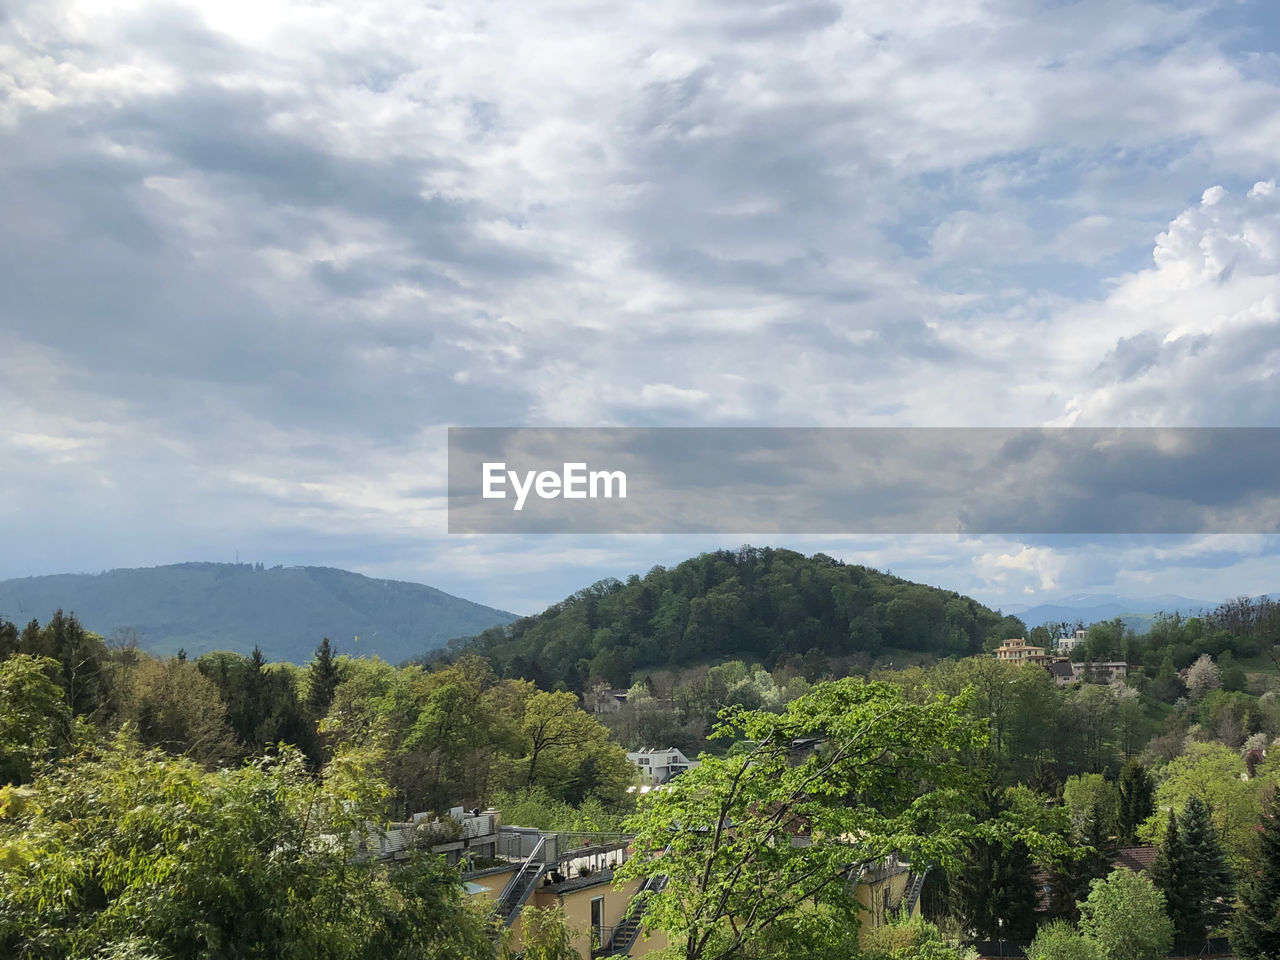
597 921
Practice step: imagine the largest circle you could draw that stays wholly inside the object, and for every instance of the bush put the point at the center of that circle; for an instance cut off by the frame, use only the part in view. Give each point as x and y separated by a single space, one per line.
1061 941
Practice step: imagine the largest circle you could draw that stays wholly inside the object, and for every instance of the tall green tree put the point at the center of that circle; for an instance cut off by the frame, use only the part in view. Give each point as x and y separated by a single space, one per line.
1136 800
993 890
763 844
323 678
1169 871
1209 885
1255 931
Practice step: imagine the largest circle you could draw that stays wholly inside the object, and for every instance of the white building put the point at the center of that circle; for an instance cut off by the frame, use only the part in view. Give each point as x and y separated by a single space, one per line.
660 765
1067 644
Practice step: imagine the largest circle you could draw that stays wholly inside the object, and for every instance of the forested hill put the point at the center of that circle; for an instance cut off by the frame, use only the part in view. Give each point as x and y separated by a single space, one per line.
756 602
235 606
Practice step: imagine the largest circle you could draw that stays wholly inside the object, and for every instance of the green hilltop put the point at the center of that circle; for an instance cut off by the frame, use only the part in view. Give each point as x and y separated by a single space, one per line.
759 603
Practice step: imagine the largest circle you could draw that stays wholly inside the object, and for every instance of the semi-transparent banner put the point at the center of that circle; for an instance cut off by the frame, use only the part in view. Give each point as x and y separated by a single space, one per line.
864 480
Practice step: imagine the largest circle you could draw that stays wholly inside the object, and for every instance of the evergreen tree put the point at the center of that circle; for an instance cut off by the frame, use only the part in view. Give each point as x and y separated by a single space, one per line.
324 678
1192 871
1069 881
994 891
1170 874
1255 932
1210 883
1136 800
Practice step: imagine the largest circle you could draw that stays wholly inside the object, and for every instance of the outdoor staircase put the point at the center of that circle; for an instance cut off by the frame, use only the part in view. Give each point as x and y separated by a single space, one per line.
518 888
913 893
627 931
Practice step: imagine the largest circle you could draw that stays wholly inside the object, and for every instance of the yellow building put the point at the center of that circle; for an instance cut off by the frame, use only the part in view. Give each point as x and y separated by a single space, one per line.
580 879
885 891
1019 651
601 917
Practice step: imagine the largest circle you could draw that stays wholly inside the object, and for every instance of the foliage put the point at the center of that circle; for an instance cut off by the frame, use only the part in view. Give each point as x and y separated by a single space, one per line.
765 841
910 938
1136 796
1059 940
35 722
1212 772
545 934
536 807
1125 915
131 851
764 603
172 705
1255 932
1091 800
1191 871
323 677
1203 676
992 891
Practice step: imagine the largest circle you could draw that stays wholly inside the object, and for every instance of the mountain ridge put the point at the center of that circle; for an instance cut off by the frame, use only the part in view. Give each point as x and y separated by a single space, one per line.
285 610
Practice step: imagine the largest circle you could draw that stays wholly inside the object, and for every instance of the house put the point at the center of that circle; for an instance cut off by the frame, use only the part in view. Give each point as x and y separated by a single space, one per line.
1065 645
1137 859
1019 651
659 765
600 700
464 834
1065 672
886 890
576 872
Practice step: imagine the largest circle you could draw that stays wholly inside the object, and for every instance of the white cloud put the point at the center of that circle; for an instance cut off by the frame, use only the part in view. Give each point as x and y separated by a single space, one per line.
269 250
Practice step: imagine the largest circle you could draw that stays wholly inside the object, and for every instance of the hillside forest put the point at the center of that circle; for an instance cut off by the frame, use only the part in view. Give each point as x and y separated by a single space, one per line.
203 806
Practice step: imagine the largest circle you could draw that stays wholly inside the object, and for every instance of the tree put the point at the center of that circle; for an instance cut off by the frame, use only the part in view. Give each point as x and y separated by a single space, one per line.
1091 801
323 678
1125 915
1044 778
561 739
175 707
129 852
1170 873
1136 793
1255 932
1202 677
763 844
1211 772
545 934
1208 886
993 891
35 722
1059 940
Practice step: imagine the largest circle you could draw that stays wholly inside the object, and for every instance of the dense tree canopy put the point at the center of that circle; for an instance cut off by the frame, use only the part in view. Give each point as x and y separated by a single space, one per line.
763 602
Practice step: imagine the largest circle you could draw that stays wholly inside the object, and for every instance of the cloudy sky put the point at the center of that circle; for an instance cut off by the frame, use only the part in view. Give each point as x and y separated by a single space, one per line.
257 256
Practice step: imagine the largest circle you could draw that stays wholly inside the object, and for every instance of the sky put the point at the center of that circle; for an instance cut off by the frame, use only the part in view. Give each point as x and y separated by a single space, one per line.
257 256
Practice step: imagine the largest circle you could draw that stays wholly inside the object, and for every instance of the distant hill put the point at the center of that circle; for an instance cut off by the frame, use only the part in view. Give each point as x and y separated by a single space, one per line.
233 606
1136 612
754 602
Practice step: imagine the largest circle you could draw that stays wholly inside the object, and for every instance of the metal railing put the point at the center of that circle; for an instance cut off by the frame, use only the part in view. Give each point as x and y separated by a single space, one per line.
518 888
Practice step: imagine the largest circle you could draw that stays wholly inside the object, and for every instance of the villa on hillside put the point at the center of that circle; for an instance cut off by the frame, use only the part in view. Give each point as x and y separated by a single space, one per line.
1064 645
657 766
1018 651
1063 670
